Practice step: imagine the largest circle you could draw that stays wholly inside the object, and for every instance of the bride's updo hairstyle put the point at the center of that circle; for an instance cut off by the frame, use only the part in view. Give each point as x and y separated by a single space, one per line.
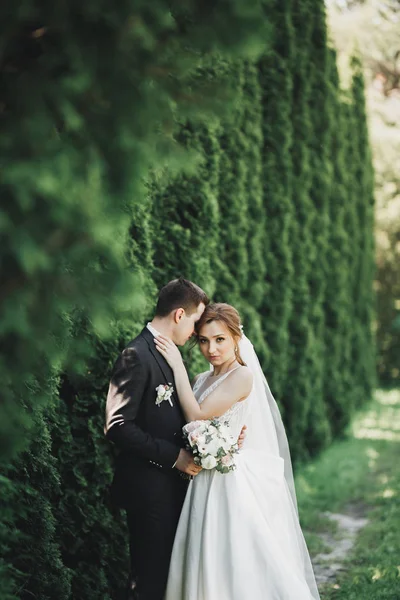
220 311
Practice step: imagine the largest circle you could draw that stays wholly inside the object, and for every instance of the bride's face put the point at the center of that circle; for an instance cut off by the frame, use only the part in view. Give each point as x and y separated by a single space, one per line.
216 343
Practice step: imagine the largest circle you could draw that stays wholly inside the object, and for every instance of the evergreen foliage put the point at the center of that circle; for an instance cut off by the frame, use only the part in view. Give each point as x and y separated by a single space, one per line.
252 128
187 215
86 121
379 49
319 430
232 259
364 302
276 75
301 352
337 302
35 552
186 211
169 146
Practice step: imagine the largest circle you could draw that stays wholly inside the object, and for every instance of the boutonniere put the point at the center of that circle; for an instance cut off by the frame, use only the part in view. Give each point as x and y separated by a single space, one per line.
164 392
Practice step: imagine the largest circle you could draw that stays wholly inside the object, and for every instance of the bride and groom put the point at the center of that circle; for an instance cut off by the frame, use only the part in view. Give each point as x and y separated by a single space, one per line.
199 534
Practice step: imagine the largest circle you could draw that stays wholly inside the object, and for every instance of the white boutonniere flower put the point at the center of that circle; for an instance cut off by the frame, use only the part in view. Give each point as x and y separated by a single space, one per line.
164 392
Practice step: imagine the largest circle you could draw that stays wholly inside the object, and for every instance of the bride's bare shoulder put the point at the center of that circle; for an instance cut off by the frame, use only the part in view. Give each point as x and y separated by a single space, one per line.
245 373
242 377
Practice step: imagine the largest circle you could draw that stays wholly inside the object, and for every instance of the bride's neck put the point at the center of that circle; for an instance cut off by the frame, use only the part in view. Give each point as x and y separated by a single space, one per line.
225 367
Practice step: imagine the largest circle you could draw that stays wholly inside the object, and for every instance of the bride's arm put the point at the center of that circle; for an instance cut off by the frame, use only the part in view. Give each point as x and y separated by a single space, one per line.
235 388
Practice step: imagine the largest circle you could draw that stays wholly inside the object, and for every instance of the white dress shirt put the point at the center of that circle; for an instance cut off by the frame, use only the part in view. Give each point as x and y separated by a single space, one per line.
152 330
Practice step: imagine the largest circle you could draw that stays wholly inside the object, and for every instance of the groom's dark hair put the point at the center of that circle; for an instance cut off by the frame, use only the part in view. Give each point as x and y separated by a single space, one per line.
180 293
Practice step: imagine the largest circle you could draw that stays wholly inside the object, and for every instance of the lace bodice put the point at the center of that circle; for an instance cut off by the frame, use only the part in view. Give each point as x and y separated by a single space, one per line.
235 415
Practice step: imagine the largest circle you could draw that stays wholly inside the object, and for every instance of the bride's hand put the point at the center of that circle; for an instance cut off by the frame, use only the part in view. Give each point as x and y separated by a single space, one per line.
169 350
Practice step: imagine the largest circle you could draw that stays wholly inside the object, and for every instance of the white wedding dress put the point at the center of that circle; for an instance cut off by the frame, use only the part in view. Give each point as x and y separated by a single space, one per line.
238 536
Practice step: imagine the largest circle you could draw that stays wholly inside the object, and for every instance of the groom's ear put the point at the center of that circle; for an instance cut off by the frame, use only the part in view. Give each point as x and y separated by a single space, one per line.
178 314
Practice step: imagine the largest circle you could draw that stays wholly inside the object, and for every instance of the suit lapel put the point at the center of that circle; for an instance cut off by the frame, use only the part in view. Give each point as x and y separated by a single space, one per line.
162 363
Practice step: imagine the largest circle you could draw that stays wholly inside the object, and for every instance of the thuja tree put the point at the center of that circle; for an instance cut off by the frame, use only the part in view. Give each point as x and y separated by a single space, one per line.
252 127
187 216
275 76
362 296
186 213
337 302
356 344
232 257
91 533
298 389
318 430
30 540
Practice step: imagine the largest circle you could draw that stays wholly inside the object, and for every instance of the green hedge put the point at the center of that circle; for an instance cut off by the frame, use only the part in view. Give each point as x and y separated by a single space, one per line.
144 142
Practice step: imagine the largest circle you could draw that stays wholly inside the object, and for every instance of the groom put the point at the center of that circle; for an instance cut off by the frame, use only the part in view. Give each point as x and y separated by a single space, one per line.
145 424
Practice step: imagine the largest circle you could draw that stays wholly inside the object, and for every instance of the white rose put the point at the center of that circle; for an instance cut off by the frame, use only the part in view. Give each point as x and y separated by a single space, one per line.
224 431
214 445
201 440
212 430
208 462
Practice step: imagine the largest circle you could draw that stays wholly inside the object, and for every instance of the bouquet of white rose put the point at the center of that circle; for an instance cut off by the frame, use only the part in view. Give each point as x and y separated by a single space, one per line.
212 444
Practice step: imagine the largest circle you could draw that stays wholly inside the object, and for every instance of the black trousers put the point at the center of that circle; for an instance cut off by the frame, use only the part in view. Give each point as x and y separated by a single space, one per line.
152 521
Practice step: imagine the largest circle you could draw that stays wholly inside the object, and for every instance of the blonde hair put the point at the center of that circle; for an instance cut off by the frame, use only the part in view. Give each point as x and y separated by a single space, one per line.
219 311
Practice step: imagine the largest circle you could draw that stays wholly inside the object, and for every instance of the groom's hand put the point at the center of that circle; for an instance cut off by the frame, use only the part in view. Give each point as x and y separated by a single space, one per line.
186 464
242 437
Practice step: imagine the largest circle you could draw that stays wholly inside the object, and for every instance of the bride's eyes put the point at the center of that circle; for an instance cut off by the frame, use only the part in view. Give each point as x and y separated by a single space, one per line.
220 339
201 341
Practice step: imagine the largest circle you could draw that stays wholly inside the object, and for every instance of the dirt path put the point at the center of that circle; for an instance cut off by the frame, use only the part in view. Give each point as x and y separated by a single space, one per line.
348 524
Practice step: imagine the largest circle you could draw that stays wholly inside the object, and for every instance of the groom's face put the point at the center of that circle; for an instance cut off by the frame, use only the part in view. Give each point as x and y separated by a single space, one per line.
184 328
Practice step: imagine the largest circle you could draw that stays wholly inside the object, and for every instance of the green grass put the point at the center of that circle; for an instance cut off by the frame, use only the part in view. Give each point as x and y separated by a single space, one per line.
360 473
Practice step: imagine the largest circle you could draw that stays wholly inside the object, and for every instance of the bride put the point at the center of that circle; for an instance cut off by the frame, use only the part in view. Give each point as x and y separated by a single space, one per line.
238 536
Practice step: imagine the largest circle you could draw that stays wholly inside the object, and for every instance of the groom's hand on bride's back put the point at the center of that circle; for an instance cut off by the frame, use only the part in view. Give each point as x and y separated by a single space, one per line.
186 464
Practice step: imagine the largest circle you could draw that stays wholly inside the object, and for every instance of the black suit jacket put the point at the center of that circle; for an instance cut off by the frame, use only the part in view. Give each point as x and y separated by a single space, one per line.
149 437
